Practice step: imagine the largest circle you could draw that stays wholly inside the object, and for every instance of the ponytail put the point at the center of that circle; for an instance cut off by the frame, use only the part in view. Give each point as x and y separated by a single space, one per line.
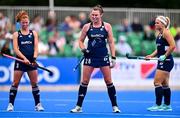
168 23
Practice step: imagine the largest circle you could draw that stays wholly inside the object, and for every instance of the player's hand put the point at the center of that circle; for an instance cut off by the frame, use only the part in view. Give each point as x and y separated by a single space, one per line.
113 62
26 61
34 63
148 57
86 52
162 58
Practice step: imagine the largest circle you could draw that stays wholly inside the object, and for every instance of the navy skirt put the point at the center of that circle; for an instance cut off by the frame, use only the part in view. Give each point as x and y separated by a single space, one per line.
97 62
166 65
23 67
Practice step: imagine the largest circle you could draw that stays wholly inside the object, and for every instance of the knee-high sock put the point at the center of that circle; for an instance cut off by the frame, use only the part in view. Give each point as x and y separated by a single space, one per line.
112 94
81 93
36 94
159 94
167 95
12 94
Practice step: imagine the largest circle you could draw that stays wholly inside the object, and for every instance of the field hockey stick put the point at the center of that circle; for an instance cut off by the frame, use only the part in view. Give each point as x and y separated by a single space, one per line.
17 59
82 58
142 58
78 64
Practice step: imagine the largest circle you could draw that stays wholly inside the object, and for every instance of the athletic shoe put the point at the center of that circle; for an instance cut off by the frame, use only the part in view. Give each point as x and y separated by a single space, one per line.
116 109
77 109
166 107
39 107
10 107
155 108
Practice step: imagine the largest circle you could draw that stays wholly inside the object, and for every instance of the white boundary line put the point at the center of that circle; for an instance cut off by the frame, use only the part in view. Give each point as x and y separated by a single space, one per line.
74 88
74 100
106 114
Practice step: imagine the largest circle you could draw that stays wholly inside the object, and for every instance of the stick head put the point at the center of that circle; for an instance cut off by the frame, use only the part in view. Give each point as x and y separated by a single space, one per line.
50 73
127 55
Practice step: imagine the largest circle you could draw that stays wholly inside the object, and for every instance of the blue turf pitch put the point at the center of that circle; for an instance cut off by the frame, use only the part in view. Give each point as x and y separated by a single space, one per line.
96 104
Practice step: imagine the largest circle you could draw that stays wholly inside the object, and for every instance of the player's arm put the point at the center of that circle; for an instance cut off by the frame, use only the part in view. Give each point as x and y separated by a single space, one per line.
154 53
35 44
151 55
168 36
110 39
16 47
83 36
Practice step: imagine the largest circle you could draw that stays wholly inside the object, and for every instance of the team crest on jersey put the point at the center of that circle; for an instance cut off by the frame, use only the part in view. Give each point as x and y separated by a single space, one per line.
30 35
102 28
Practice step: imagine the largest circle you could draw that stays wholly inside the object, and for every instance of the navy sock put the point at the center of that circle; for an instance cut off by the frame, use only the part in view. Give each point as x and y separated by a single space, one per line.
36 94
112 94
159 94
167 95
12 94
81 93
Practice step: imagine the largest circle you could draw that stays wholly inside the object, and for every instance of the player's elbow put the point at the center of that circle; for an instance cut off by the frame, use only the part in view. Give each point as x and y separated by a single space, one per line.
16 50
173 47
110 42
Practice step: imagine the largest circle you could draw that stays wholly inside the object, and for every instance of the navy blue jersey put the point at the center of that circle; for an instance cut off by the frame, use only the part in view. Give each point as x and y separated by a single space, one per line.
26 43
26 47
97 41
162 46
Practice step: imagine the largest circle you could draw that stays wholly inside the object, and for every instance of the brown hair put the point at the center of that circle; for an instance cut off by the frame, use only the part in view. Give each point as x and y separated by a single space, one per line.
21 15
99 8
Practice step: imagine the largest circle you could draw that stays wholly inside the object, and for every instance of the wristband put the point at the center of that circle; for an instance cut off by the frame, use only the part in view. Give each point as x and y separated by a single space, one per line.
112 57
34 59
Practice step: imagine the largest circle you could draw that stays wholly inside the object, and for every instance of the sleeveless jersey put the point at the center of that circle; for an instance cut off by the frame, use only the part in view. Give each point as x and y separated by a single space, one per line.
97 41
162 46
26 43
26 47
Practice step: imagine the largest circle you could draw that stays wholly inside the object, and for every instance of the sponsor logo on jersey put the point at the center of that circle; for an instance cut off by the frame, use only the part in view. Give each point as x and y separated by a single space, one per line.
96 35
26 42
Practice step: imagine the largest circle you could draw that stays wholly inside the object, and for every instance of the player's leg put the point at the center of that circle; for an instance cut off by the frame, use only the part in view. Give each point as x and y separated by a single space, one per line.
87 70
110 87
13 89
167 94
33 76
158 80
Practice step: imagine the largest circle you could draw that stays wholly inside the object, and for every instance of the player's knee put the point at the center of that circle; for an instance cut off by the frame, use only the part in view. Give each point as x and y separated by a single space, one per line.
85 82
34 84
108 81
157 84
15 84
165 85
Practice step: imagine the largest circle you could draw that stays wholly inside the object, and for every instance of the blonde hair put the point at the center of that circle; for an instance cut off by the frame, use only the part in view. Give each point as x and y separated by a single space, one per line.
21 15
